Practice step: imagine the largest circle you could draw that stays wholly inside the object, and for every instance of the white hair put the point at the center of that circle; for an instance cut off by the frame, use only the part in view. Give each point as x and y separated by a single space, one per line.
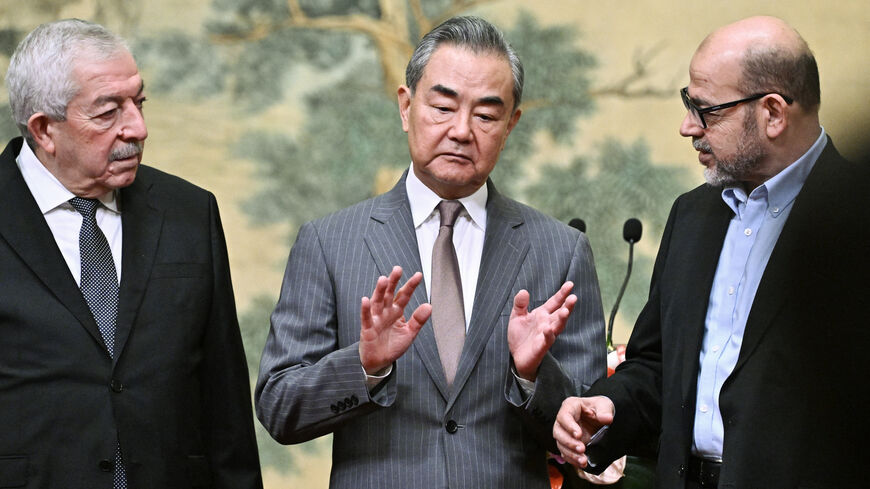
40 75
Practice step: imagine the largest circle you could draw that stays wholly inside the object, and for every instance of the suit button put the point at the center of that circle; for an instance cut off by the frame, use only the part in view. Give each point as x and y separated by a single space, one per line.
452 427
116 385
682 470
354 399
334 408
106 465
348 403
340 405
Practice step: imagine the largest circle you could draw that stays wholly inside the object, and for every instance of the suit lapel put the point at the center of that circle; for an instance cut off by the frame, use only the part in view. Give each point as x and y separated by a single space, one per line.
141 224
392 240
707 228
23 226
504 250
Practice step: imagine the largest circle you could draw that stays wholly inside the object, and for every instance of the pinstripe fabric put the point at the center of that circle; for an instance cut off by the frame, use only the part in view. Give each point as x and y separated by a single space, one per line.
311 382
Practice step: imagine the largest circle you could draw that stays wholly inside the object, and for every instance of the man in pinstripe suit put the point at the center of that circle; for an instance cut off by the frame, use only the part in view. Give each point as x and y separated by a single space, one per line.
371 374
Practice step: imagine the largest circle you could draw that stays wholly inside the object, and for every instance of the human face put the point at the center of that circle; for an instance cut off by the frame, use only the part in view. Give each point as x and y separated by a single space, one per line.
98 147
730 147
458 119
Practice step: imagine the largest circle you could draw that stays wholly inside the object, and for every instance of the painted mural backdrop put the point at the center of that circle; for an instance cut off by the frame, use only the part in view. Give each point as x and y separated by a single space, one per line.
286 109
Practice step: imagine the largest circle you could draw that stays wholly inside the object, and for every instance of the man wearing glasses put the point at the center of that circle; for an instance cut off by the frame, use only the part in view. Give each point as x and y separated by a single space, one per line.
740 366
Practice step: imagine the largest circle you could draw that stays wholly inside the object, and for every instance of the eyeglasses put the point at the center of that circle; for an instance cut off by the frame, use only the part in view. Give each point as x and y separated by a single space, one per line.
699 112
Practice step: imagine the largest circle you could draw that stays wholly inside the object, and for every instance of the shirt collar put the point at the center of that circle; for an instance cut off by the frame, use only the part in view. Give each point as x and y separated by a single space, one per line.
46 189
781 190
423 201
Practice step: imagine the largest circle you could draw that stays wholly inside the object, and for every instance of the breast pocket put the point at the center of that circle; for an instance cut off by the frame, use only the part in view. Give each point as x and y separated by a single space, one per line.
178 270
13 470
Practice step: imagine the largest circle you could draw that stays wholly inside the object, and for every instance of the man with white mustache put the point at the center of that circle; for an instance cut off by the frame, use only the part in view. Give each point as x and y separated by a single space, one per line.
121 361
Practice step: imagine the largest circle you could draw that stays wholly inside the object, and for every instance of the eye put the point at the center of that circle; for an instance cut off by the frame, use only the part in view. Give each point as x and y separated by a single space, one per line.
109 114
141 102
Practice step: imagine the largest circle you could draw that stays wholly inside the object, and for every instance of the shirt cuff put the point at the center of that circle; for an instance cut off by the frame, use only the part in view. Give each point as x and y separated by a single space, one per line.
527 387
373 380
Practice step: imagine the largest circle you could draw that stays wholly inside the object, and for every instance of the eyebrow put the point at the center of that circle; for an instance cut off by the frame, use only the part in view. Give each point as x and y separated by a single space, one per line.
116 98
488 100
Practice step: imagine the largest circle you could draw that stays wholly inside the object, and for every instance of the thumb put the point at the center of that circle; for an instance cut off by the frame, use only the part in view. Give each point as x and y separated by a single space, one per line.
521 303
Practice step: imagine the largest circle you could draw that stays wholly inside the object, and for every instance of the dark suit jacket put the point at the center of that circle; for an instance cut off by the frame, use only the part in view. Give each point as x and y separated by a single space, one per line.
789 407
176 395
413 432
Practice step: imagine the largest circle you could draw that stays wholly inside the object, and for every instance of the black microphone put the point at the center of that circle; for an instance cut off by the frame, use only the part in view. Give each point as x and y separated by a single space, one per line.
631 232
578 224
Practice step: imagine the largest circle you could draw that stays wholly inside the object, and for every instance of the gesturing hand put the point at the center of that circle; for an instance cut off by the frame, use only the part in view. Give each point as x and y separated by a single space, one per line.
530 334
385 334
578 419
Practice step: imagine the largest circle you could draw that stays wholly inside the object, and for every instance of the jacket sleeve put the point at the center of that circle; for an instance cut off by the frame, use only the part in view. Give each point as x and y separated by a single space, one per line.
575 360
226 392
308 386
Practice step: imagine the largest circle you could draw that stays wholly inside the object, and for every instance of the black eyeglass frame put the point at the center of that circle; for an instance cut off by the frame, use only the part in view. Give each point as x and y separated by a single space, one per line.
690 106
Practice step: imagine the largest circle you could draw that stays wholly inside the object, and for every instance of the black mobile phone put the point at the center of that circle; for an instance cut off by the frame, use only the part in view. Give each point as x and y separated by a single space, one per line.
598 435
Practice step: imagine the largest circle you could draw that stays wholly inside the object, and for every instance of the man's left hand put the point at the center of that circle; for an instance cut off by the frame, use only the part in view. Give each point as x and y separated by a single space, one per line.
530 334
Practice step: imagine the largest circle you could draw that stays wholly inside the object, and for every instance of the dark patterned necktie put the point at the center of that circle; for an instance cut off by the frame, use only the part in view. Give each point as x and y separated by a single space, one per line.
99 285
448 312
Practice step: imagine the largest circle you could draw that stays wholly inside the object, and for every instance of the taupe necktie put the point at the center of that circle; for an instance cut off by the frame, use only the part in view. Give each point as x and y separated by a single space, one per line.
448 312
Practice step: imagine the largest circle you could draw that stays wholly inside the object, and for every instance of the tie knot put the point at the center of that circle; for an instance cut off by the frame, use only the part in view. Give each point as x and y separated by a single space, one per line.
86 207
449 211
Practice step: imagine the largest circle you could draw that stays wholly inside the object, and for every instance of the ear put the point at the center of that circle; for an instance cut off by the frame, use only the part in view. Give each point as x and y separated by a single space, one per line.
43 131
515 117
776 115
404 95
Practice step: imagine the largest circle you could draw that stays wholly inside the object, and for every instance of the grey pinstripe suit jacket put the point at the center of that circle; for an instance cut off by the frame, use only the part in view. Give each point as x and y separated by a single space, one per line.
411 431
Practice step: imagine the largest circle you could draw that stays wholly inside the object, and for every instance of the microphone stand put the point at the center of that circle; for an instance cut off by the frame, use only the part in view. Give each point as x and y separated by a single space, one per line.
610 347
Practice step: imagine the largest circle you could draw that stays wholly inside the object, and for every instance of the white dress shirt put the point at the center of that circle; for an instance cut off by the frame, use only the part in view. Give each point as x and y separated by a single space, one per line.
64 221
468 234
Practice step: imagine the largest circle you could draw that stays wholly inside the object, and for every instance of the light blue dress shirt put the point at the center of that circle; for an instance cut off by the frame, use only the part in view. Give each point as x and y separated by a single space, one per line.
752 233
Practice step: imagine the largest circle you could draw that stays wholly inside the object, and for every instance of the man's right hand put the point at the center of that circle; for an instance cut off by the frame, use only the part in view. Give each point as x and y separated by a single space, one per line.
385 334
578 419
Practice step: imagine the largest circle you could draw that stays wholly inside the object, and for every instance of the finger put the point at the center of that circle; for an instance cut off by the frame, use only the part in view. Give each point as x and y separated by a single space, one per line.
392 281
377 299
521 303
567 453
419 317
403 296
365 314
568 415
558 299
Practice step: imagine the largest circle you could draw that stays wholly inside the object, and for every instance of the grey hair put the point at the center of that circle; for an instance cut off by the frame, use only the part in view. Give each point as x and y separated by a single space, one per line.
783 71
40 75
472 33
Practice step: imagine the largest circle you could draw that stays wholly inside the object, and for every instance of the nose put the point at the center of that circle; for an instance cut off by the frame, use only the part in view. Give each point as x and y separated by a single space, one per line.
690 126
460 128
133 125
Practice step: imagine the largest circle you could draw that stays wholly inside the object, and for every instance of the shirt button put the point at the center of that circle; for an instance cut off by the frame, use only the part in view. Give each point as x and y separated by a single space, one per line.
715 348
730 290
704 408
747 231
775 210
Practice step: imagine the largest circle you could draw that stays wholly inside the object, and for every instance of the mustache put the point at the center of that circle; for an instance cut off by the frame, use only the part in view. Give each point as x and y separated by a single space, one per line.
701 145
128 150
